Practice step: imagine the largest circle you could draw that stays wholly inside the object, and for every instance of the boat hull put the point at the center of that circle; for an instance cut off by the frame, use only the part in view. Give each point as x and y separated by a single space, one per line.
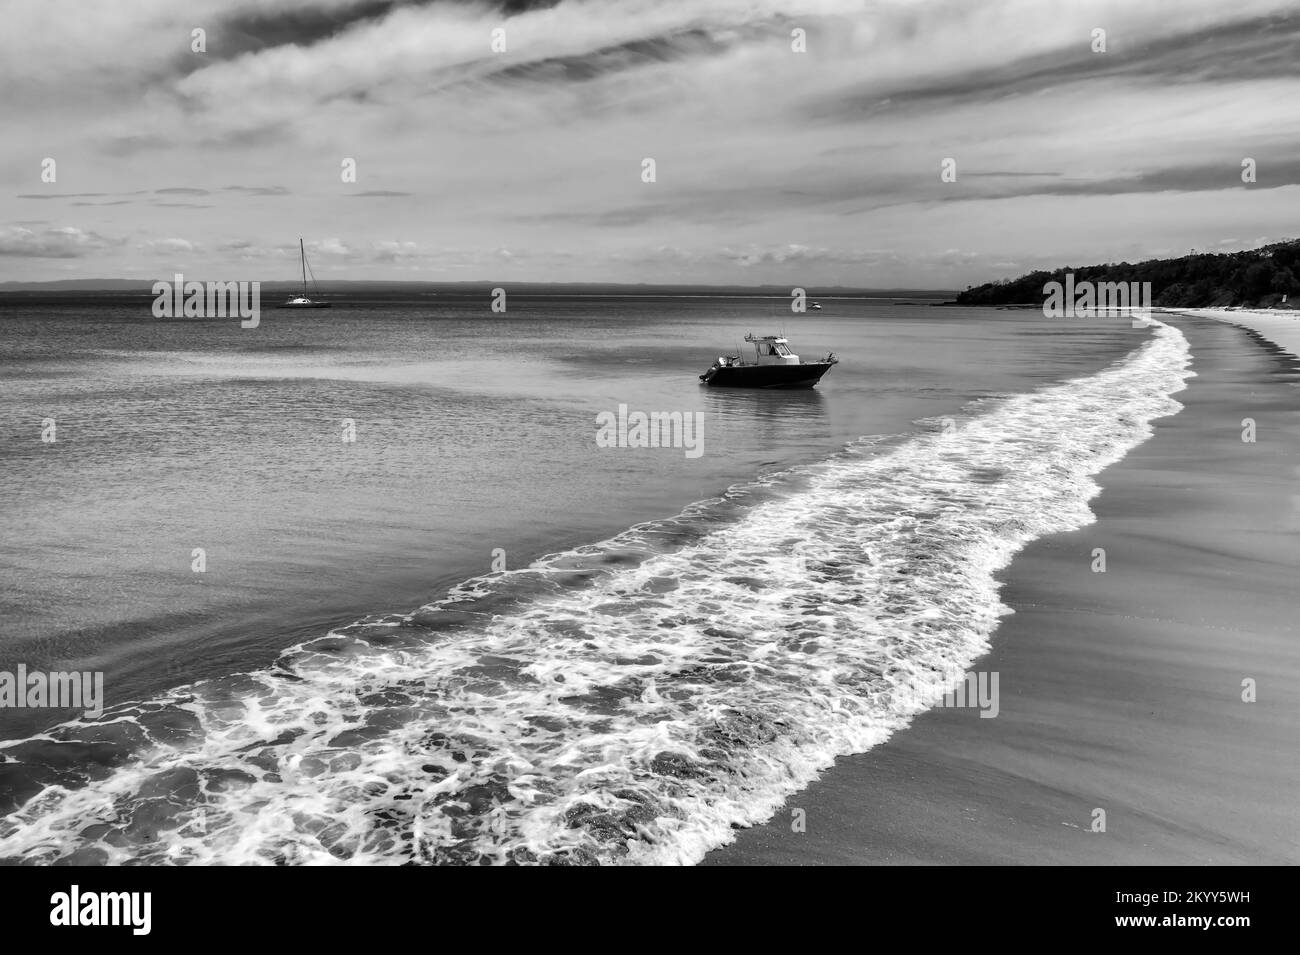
309 305
803 375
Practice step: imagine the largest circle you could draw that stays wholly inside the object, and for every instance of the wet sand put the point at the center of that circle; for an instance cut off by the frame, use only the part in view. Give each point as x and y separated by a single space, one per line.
1121 690
1279 326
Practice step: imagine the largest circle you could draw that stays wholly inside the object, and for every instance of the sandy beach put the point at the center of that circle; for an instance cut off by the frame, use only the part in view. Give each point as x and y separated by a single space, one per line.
1123 690
1278 326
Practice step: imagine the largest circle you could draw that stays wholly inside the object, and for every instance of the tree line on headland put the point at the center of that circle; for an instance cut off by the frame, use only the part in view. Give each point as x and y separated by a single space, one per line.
1260 278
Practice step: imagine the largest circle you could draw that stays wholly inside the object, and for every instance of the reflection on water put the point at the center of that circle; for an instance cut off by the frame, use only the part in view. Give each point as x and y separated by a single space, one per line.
769 405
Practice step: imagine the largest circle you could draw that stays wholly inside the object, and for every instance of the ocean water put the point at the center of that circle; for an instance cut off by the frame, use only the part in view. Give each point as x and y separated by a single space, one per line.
677 642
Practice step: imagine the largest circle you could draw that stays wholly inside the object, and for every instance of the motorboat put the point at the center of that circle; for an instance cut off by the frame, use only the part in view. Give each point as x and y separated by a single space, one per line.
774 366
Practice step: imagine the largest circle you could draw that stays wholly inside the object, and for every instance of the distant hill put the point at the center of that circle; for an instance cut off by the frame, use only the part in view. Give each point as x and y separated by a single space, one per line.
1258 278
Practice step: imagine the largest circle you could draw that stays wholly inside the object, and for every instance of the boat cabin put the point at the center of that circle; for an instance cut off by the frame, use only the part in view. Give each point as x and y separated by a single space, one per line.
772 350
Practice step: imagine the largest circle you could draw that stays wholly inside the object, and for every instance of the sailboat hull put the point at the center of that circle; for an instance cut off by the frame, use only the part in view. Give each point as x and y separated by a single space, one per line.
306 305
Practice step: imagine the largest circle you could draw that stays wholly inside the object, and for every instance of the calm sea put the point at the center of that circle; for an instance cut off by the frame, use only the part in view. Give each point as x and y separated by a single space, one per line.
677 642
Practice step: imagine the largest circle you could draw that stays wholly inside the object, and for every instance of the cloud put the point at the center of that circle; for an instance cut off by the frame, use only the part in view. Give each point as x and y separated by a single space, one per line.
250 30
172 246
121 146
259 190
395 251
771 164
57 243
331 247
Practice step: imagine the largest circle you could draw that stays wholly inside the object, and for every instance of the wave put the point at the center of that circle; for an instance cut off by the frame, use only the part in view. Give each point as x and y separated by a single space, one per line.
630 701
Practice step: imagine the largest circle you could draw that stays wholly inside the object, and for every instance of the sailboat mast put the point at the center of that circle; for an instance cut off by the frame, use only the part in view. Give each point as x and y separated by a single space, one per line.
302 251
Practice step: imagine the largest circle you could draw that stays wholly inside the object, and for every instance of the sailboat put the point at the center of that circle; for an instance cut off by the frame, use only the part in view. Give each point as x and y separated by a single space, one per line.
301 300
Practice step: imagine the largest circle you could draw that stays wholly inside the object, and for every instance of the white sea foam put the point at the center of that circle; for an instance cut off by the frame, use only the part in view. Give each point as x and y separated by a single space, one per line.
630 701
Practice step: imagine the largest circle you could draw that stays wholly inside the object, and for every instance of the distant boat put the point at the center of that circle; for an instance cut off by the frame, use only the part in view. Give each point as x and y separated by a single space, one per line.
774 366
816 305
302 301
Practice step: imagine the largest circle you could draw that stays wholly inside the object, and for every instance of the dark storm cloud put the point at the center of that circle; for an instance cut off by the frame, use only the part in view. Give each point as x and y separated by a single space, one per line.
1260 48
616 58
266 134
1271 174
1205 177
249 31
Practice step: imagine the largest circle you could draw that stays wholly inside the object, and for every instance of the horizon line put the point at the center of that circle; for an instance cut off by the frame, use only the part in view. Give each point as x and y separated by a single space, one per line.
144 283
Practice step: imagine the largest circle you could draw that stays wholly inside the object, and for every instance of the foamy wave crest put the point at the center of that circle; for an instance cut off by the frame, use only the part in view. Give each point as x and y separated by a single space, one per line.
628 702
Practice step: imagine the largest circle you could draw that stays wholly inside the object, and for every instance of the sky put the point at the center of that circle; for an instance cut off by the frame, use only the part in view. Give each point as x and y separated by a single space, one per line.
772 165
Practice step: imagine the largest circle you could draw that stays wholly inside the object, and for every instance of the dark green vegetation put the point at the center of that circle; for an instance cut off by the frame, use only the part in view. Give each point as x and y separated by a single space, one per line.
1259 278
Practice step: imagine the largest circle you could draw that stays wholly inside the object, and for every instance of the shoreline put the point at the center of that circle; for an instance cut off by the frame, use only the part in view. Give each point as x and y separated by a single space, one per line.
1280 327
1120 691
